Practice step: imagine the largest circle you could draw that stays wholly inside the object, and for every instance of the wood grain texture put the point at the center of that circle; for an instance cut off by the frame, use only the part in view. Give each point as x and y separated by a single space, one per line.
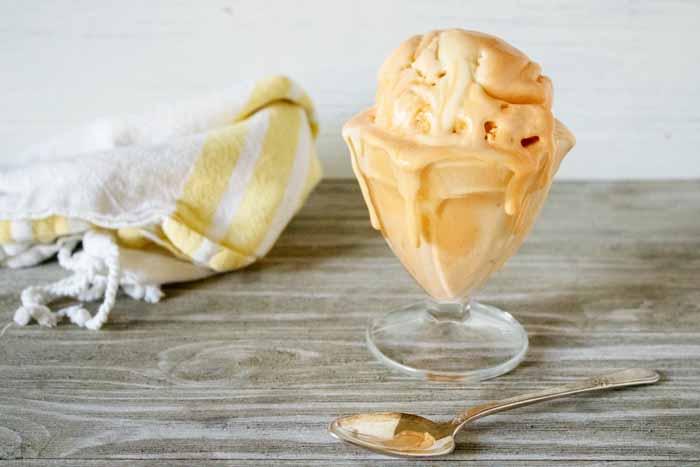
625 73
313 463
252 366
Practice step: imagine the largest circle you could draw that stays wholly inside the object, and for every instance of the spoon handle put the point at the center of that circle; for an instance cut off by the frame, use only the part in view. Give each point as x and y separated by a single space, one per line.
631 377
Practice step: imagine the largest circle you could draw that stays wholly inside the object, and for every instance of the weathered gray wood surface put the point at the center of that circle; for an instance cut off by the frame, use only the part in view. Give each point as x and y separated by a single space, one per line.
253 365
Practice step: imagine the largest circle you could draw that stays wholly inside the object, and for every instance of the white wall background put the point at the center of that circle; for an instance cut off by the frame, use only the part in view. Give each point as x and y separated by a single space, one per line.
626 73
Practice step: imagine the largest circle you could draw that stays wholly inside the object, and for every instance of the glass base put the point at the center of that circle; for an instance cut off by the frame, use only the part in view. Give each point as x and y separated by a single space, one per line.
448 341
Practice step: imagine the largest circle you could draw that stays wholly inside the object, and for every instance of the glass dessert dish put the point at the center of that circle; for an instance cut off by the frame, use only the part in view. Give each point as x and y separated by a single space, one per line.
454 162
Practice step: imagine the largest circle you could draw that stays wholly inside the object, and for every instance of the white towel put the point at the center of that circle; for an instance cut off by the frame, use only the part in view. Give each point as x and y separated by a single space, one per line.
172 195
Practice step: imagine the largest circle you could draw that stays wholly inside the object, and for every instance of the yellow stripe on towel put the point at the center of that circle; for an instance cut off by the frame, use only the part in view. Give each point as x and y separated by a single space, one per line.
45 230
266 91
48 229
279 88
276 167
312 178
270 178
5 232
206 186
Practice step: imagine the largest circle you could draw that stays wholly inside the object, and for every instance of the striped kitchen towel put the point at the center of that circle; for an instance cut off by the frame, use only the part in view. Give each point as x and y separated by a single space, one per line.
172 195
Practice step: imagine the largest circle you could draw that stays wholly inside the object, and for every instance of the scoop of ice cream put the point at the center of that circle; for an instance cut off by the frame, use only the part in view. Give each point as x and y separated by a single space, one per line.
468 89
464 87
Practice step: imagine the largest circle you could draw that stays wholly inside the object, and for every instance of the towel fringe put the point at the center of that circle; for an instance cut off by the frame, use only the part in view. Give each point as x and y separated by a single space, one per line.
96 274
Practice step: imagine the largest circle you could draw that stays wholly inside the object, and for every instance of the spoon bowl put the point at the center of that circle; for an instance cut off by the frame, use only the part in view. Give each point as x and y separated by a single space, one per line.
407 435
397 434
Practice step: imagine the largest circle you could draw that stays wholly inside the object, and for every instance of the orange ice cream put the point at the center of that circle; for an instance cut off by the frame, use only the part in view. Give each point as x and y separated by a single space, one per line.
457 156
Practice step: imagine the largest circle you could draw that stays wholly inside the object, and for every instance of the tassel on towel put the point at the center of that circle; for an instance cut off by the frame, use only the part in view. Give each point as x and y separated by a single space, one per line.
96 274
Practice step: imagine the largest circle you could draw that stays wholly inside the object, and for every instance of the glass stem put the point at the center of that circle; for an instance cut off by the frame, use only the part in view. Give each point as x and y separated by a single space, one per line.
450 310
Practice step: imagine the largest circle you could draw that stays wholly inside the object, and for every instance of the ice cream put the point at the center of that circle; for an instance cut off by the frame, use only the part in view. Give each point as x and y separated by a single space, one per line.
457 156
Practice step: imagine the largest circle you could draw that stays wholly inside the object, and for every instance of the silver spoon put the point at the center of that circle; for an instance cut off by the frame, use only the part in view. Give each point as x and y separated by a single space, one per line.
408 435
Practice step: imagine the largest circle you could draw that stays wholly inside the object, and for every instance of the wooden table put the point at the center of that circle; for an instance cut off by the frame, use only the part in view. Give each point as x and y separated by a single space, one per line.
250 367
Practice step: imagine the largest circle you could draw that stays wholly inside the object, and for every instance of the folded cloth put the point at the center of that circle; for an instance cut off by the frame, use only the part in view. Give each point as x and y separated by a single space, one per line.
173 195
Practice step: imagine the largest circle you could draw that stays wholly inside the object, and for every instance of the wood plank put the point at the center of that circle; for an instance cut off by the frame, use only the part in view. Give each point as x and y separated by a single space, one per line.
309 463
253 365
